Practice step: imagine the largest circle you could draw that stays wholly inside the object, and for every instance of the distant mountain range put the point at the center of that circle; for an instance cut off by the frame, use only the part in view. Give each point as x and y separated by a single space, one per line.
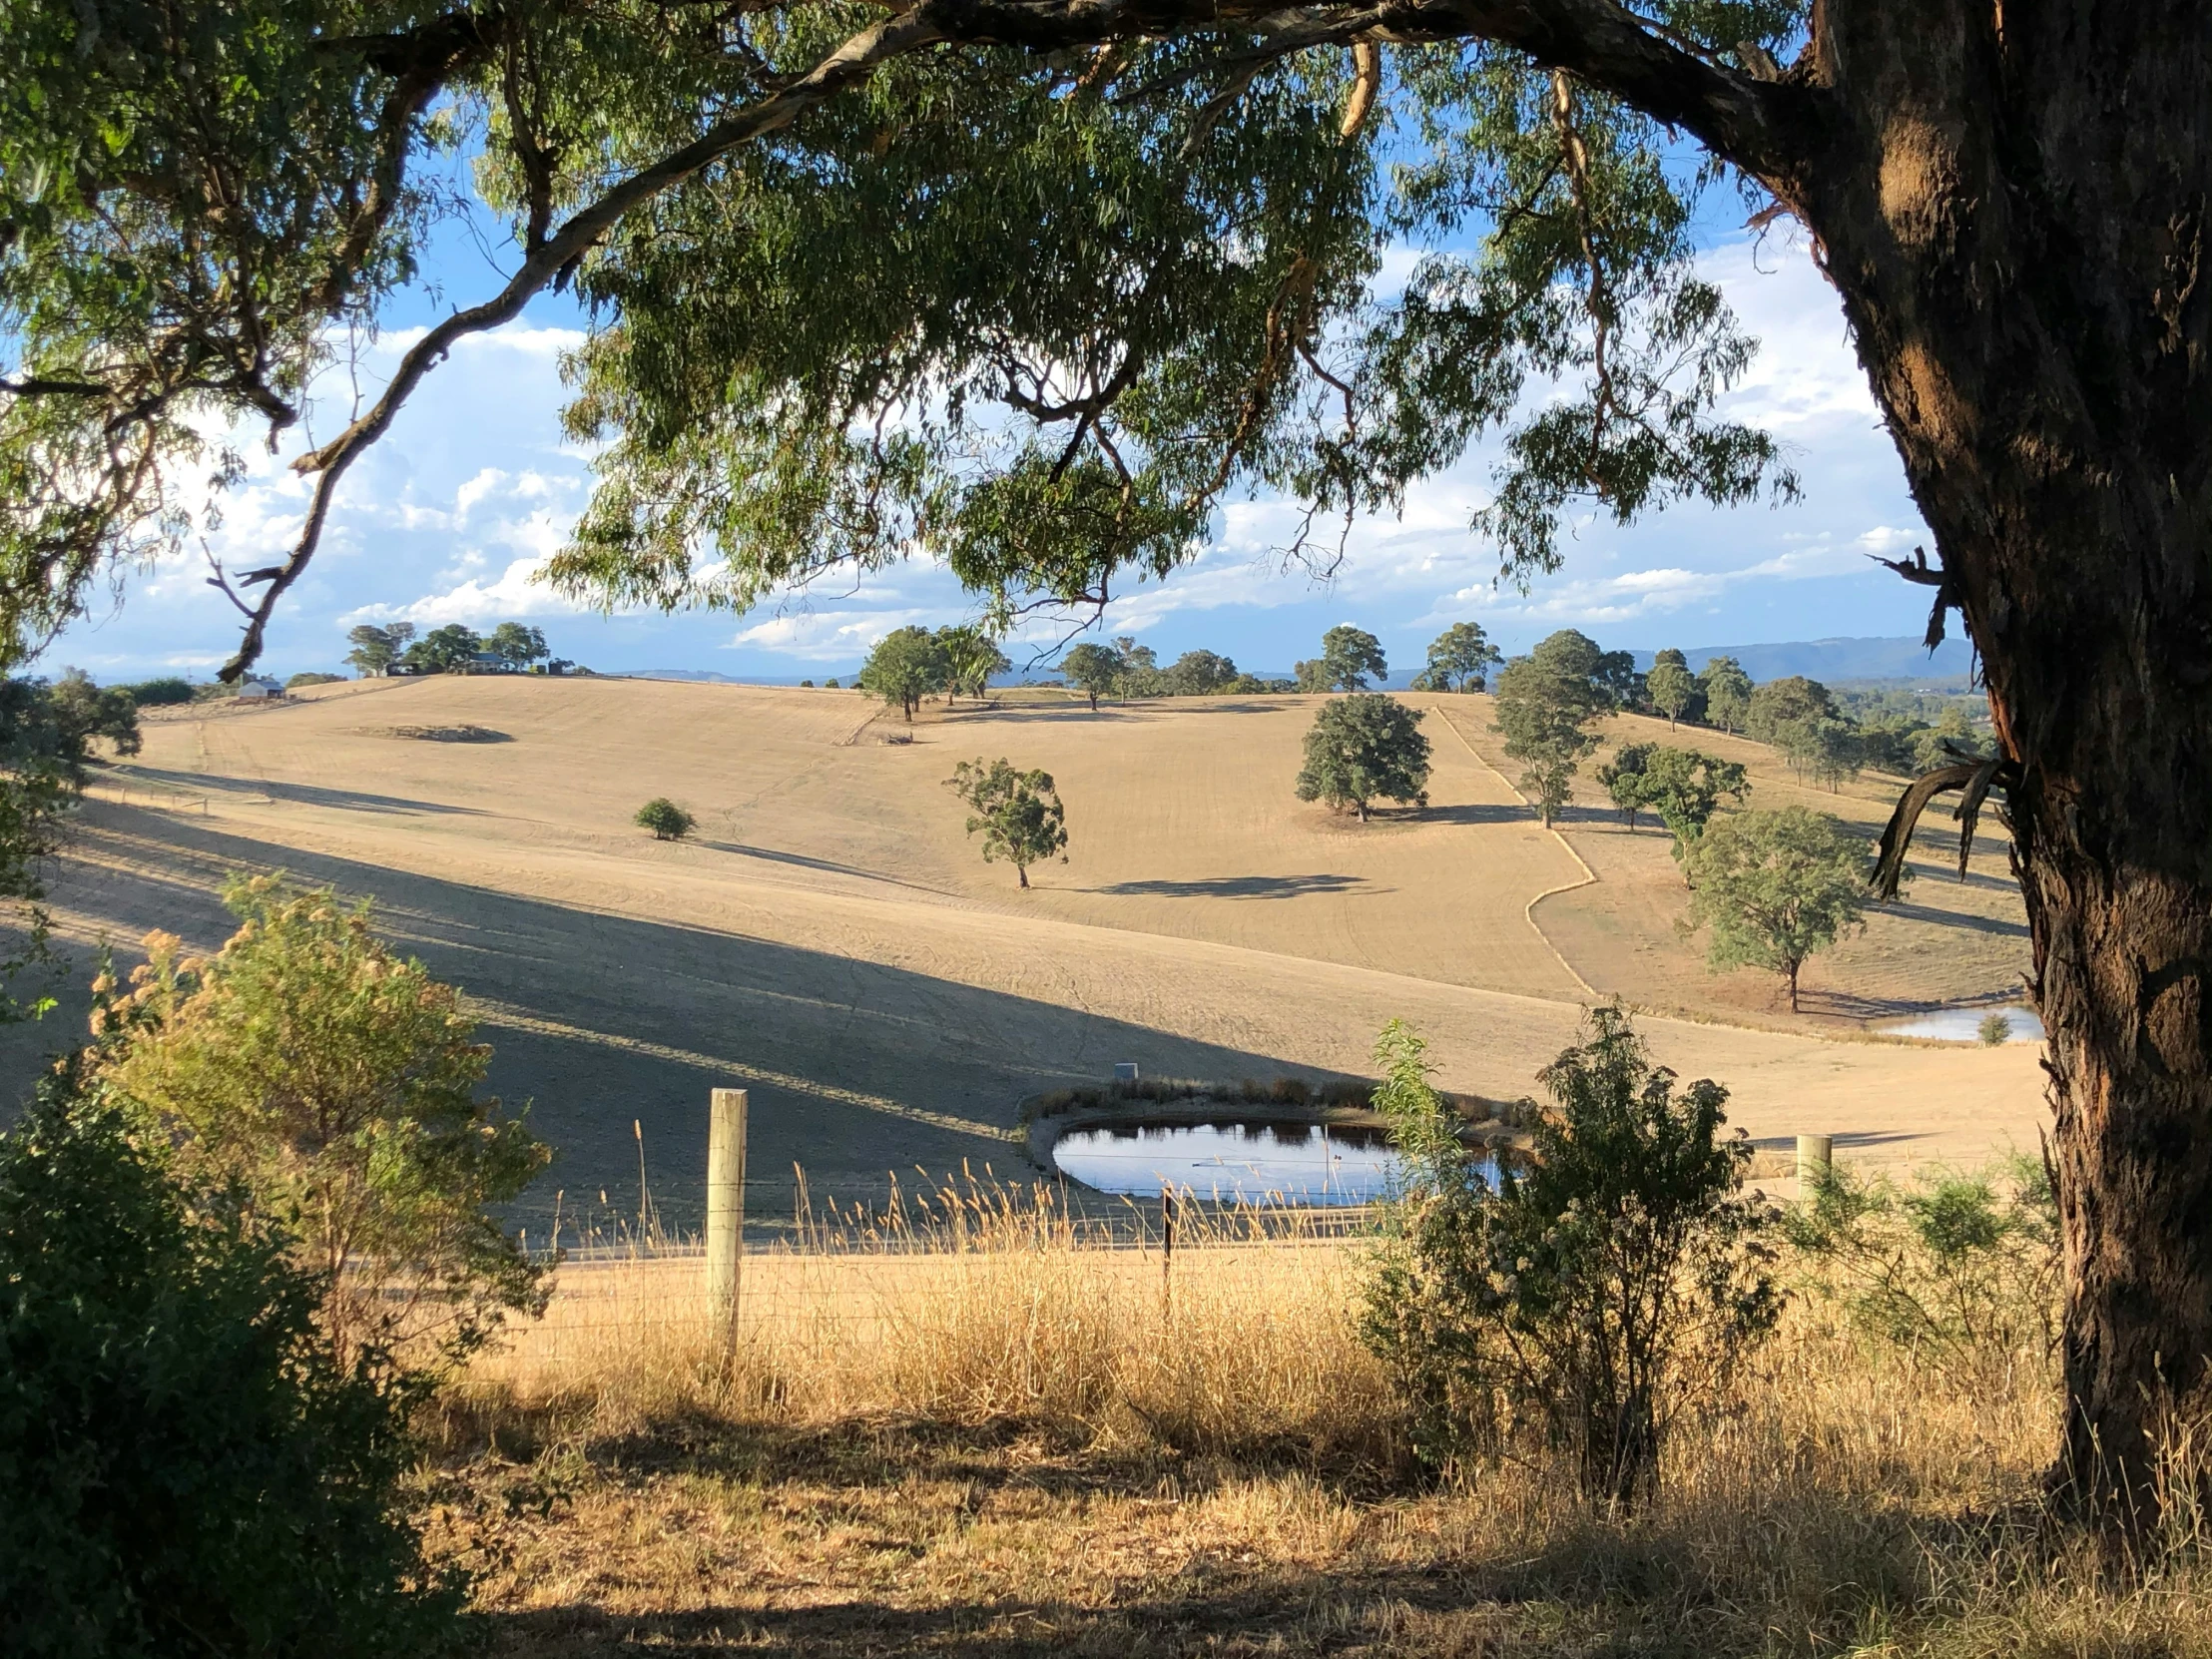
1835 659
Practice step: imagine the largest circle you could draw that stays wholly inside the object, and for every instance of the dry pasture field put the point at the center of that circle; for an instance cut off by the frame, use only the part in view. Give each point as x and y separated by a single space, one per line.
831 938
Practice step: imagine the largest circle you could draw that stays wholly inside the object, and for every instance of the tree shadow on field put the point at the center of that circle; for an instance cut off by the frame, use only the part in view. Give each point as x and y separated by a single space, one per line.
855 1069
1476 813
1997 926
799 861
304 794
1236 1618
1236 887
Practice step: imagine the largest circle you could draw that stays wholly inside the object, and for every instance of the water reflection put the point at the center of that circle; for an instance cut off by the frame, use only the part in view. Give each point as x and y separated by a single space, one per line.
1964 1025
1235 1162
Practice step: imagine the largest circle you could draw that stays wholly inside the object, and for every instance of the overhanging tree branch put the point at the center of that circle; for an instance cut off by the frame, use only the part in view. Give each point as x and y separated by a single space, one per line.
1737 114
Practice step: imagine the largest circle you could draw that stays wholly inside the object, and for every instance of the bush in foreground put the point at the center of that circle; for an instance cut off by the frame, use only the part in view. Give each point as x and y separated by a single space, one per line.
335 1082
1587 1300
188 1466
667 821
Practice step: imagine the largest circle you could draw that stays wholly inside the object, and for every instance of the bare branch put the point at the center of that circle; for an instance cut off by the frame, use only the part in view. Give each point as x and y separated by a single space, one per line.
857 57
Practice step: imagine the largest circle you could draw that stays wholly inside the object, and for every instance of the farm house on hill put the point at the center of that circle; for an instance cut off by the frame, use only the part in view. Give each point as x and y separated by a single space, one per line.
490 662
260 691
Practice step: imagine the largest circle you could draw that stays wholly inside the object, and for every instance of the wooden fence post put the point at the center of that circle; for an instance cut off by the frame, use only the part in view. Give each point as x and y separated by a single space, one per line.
1816 1160
725 1212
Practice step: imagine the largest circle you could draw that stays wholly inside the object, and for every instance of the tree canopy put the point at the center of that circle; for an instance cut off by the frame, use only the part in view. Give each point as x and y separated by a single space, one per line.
1776 888
1544 708
1095 670
906 665
1671 687
1018 812
1363 748
1727 689
971 657
1459 658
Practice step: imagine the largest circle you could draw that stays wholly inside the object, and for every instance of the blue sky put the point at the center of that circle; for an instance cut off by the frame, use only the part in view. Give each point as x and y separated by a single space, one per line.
448 519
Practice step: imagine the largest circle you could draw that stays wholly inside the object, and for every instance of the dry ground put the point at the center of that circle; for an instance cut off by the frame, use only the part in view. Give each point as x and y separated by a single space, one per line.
1024 1448
831 937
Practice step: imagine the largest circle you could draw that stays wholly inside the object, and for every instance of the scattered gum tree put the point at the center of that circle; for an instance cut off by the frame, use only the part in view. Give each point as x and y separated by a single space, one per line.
1348 655
1544 712
1622 779
908 665
1363 748
1727 689
1054 400
1094 669
1776 888
1671 687
48 736
377 650
1593 1294
1018 812
971 657
1683 788
338 1084
1459 660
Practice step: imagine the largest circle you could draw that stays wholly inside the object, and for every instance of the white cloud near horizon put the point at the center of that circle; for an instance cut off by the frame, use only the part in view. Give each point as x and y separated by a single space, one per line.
452 516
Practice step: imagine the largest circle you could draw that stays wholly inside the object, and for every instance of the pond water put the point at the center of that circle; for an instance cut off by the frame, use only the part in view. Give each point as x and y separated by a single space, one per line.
1964 1025
1235 1162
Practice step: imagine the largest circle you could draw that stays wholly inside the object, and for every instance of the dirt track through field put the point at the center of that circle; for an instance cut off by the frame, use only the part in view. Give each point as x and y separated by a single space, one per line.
831 938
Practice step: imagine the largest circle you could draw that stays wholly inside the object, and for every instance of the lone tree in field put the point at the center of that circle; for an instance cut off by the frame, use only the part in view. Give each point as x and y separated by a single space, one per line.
1727 689
1774 888
1670 685
1019 813
667 821
1544 711
1094 669
1101 268
908 665
1363 748
1348 655
971 657
1459 660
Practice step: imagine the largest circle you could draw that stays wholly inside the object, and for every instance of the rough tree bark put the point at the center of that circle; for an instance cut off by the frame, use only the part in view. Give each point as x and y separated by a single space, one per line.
2010 198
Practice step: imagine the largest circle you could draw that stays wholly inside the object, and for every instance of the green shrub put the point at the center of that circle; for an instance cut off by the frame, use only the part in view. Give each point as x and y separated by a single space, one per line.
189 1467
1585 1301
1962 1269
299 679
336 1082
667 821
1995 1030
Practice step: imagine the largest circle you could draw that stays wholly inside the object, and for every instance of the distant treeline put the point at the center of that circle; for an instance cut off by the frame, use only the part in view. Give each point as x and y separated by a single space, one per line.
1825 733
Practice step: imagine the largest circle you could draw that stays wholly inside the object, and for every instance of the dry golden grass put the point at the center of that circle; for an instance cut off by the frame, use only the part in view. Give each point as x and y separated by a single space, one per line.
830 938
1019 1445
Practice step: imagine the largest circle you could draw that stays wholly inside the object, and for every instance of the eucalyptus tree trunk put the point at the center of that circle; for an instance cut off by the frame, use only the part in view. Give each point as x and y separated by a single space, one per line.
2011 198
